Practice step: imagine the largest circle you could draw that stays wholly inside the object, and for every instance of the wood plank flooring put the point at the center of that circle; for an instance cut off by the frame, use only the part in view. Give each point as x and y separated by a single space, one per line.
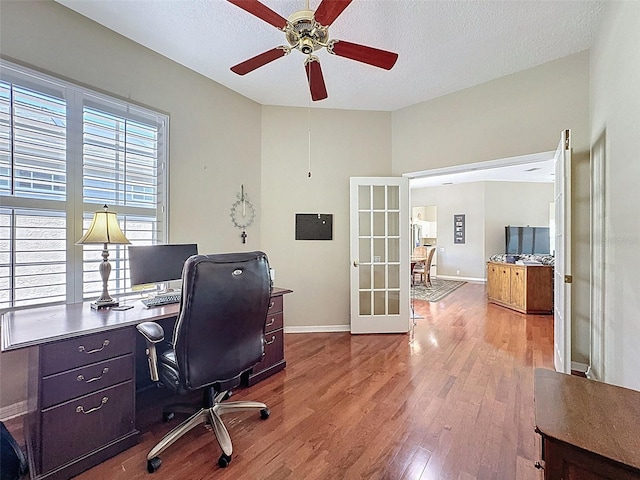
453 400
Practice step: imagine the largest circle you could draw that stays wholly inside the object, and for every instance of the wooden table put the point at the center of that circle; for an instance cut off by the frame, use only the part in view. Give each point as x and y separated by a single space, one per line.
590 430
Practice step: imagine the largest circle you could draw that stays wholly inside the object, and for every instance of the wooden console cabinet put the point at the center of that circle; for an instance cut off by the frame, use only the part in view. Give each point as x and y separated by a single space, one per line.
589 429
524 288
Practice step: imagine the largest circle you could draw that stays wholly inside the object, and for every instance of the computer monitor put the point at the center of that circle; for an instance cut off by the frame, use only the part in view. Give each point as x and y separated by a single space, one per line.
158 263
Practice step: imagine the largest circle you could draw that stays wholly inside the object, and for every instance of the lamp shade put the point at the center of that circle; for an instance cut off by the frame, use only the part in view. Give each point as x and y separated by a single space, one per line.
104 228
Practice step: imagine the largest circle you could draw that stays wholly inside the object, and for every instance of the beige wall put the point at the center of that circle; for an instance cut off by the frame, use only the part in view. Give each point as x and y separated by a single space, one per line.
514 203
343 144
220 140
615 109
467 199
515 115
214 132
488 207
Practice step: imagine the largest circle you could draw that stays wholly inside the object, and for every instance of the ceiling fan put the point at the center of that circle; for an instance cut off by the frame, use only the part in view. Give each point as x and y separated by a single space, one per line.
308 31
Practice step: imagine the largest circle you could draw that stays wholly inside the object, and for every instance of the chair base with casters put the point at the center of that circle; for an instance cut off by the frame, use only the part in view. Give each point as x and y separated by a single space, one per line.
218 338
209 415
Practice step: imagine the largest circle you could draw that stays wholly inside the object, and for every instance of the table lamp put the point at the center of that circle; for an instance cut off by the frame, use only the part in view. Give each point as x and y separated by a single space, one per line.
104 229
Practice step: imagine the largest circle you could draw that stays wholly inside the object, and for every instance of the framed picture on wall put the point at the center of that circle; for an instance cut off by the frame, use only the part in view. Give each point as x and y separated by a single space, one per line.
458 228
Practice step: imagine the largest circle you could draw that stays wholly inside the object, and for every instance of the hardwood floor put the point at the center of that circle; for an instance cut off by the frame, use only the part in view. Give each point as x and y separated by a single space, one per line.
454 400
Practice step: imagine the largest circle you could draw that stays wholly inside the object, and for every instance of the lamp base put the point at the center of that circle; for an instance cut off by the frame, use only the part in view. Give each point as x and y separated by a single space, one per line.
98 305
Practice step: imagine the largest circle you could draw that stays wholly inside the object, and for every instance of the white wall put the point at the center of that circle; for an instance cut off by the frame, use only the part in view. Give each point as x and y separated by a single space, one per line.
344 144
615 110
214 132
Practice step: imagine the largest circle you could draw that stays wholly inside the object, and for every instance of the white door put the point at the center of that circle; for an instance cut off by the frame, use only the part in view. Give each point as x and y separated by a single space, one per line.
380 238
562 270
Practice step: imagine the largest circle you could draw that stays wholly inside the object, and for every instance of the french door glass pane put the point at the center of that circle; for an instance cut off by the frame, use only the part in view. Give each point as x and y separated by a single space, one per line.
365 302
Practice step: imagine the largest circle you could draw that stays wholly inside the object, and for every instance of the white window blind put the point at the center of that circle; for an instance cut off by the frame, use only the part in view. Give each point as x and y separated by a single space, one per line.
65 152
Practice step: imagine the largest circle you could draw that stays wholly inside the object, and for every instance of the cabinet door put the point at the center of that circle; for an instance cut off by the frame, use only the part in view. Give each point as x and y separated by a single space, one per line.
504 273
493 281
518 287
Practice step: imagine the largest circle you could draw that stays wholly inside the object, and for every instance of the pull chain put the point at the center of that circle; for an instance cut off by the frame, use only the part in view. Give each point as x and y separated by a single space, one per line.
309 116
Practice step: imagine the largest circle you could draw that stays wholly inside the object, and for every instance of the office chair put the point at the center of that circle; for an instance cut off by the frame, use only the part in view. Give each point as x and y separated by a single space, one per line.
218 336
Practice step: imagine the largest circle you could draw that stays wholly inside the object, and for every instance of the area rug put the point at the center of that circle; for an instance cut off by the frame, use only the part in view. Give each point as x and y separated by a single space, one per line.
437 291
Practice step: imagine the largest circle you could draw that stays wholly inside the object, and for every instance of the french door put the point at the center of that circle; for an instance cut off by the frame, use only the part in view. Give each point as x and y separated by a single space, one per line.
562 269
380 237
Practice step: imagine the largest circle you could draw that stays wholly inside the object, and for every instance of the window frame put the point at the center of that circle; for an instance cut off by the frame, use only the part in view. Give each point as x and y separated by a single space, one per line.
75 209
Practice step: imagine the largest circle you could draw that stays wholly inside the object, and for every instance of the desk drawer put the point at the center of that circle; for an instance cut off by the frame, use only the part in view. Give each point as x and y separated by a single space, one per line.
75 352
273 351
86 379
274 322
84 424
275 305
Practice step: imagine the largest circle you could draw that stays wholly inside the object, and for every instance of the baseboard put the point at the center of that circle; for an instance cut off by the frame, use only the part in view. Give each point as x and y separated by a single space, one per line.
14 410
462 279
318 329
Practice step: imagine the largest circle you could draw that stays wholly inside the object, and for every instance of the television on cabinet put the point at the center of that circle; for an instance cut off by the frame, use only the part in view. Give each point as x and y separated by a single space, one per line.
527 240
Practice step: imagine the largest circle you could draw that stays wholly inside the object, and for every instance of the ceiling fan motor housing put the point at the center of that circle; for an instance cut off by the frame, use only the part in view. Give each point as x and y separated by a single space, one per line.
304 33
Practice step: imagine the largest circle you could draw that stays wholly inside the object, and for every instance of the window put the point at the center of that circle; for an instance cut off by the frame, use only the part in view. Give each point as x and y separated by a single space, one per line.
66 151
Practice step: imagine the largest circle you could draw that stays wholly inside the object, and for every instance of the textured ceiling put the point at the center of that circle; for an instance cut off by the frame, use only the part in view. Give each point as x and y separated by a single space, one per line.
443 46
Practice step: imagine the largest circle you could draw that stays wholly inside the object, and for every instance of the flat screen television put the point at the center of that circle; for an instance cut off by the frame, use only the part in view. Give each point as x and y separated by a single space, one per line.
527 240
151 264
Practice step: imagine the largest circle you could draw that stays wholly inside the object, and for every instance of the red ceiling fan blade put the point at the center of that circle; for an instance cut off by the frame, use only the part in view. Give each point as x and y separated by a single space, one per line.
329 10
361 53
316 80
254 7
259 60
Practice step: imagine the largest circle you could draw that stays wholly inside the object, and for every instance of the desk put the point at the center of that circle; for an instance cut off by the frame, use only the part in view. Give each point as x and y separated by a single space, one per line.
82 372
589 429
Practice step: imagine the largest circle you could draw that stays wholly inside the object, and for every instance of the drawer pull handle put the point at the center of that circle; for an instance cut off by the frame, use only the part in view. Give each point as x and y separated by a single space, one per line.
81 377
89 352
80 408
271 322
271 304
269 342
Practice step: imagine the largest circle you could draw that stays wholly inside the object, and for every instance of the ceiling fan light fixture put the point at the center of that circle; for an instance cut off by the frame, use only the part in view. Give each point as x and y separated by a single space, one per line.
308 31
306 46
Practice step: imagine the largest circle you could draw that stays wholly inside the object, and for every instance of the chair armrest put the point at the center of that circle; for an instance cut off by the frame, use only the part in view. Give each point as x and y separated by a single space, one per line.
152 333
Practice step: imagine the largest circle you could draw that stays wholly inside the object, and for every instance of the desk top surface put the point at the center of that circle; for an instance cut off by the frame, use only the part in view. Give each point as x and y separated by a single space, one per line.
36 326
597 417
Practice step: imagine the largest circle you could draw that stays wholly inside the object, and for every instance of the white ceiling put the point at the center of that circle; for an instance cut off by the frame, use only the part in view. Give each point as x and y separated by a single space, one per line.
443 46
537 168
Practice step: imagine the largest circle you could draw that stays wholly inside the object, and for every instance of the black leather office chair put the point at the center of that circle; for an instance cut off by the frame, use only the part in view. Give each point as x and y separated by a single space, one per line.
219 335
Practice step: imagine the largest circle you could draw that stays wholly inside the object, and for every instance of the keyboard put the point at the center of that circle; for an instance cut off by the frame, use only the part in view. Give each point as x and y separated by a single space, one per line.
162 299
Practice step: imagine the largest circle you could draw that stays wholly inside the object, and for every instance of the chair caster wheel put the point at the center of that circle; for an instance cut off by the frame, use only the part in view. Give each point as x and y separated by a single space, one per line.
167 416
154 464
264 413
224 460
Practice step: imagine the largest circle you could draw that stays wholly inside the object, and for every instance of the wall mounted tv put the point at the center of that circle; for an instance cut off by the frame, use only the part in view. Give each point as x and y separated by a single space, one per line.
527 240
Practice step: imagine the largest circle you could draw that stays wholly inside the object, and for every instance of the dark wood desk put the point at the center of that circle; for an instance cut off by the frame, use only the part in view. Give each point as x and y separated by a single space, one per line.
590 430
82 372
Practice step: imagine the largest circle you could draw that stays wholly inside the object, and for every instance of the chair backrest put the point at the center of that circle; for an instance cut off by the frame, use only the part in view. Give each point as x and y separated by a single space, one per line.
420 252
427 264
220 329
